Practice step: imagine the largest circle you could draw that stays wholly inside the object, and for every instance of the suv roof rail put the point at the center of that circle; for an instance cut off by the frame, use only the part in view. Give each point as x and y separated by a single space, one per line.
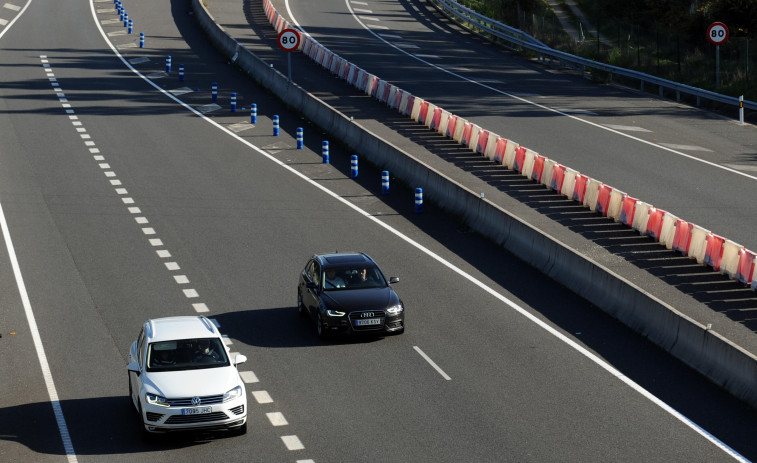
208 324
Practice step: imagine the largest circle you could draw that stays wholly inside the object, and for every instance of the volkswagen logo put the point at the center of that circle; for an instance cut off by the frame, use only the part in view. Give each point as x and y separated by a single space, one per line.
367 314
196 401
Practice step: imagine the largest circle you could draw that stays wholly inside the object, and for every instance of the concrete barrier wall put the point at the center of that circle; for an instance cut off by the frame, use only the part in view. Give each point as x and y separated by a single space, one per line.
706 351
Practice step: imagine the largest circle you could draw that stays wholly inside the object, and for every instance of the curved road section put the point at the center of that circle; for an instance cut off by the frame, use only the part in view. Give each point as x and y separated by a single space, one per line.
129 193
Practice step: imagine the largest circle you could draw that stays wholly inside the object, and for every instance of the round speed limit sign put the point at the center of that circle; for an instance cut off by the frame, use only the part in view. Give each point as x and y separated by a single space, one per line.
717 33
289 40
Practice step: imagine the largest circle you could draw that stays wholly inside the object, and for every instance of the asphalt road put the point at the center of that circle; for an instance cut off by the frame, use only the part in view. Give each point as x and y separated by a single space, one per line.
692 163
122 204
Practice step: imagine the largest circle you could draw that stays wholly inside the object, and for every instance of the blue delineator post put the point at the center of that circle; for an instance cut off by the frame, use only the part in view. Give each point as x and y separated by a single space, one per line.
384 182
325 151
418 200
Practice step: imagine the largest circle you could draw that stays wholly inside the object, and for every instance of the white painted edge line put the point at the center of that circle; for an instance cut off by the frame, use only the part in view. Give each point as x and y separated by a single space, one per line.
422 248
41 356
588 354
432 363
9 24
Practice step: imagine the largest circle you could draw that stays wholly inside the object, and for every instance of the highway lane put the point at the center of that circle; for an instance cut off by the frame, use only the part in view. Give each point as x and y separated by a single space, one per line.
648 148
220 210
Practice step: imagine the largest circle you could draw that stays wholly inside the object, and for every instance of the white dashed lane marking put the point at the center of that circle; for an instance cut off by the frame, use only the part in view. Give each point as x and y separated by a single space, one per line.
277 419
292 442
262 397
248 377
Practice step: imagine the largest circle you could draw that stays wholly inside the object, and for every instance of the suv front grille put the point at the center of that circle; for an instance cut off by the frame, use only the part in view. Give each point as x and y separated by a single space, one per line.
187 401
202 418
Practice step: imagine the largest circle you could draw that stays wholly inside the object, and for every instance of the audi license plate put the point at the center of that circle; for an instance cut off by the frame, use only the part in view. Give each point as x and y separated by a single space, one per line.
368 321
195 411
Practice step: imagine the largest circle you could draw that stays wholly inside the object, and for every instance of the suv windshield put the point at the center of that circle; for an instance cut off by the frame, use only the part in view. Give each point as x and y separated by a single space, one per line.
337 278
186 354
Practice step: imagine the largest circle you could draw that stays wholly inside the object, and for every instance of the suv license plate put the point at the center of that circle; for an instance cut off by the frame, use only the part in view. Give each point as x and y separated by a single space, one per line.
370 321
195 411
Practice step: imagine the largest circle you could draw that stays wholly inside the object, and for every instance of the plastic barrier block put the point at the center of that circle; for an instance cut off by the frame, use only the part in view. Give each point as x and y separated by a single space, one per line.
520 158
698 245
603 199
443 122
371 85
627 210
641 217
406 105
436 119
416 110
654 224
459 129
528 163
499 151
713 254
745 272
429 115
616 203
422 112
668 231
682 238
547 171
491 146
729 264
450 132
467 131
483 140
579 189
538 169
380 89
510 151
558 177
592 193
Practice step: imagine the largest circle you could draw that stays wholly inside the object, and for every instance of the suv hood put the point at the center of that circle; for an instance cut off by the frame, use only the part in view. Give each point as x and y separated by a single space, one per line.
190 383
347 300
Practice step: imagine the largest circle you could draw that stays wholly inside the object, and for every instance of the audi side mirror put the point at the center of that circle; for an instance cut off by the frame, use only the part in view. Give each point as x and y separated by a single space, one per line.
393 280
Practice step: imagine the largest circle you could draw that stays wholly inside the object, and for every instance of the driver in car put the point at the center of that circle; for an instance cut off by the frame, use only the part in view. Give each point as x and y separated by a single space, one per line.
333 280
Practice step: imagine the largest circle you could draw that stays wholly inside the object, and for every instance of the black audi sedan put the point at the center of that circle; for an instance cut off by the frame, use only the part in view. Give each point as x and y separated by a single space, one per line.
346 293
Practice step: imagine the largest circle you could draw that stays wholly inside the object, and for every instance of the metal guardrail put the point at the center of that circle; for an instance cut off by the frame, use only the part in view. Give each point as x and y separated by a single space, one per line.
480 23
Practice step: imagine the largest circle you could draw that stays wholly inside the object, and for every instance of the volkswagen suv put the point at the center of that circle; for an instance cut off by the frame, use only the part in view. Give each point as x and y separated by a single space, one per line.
181 378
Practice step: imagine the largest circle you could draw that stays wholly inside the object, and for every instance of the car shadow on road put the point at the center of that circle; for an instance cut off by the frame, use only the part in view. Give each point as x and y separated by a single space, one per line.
97 426
279 327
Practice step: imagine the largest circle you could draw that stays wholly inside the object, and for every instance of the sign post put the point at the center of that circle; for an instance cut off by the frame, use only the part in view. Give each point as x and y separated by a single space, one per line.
717 34
289 40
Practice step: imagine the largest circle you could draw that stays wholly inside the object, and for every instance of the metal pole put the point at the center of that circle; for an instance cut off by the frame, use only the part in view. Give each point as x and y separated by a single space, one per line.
717 67
741 110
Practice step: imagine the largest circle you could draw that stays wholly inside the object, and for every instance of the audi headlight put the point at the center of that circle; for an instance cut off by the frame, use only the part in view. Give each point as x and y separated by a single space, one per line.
155 399
334 313
233 394
395 309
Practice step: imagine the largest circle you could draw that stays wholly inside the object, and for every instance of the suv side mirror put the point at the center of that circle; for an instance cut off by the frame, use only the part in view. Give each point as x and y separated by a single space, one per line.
133 366
393 280
239 359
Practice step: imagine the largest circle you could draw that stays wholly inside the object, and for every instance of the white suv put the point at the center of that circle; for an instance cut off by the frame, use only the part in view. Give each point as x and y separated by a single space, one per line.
181 378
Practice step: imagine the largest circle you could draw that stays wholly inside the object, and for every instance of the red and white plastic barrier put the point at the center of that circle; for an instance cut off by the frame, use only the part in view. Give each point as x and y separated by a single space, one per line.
730 258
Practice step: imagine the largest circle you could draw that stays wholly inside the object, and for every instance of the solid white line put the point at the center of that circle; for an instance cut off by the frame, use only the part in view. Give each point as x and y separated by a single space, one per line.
432 363
427 251
588 354
46 374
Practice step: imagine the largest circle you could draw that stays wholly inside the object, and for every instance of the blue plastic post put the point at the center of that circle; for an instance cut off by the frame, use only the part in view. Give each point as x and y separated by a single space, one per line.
168 63
141 40
121 13
181 73
131 26
233 102
353 166
275 126
385 182
418 200
253 113
325 151
126 19
300 136
214 91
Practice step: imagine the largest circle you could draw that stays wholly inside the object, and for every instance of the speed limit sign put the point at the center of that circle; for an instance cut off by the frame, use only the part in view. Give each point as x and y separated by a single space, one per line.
289 40
717 33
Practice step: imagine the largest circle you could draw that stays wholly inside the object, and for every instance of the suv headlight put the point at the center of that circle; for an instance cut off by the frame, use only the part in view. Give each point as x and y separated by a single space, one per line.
233 394
334 313
395 309
154 399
